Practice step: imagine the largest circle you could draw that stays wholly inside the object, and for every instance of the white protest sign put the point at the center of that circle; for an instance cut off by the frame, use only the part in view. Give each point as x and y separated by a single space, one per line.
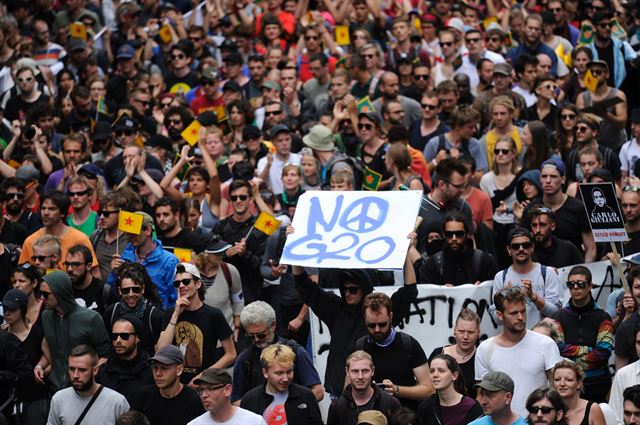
352 229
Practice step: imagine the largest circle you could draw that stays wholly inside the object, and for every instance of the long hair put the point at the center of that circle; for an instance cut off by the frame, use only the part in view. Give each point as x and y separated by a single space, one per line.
139 275
539 151
515 164
561 135
454 367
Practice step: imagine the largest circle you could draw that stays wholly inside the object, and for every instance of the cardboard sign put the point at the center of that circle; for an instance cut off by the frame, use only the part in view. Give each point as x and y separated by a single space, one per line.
360 229
603 211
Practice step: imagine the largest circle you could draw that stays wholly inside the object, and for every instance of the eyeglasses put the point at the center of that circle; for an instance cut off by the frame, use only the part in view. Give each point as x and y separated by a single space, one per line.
544 409
272 113
311 37
629 188
445 43
555 9
367 127
73 264
122 335
235 198
429 107
203 390
40 258
179 56
25 80
185 282
522 245
351 289
568 117
582 128
457 186
497 151
257 336
472 40
380 325
421 76
125 132
580 284
11 195
78 194
107 213
459 234
134 289
44 294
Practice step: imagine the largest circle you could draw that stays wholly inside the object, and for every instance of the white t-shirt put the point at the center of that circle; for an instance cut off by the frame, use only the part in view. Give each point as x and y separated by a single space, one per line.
629 153
526 363
275 171
241 417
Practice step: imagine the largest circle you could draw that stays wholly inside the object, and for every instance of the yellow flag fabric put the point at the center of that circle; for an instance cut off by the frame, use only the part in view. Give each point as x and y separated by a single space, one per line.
183 254
267 223
129 222
342 35
590 81
78 30
165 34
192 133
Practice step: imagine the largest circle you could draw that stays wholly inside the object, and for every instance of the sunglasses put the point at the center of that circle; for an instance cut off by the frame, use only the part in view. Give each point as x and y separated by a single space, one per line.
580 284
582 128
368 56
25 80
351 289
544 409
122 335
144 102
472 40
523 245
81 193
311 37
429 107
235 198
259 336
44 294
174 122
11 195
165 104
445 43
73 264
106 213
597 72
568 117
195 39
459 234
174 57
604 25
555 9
125 132
365 127
380 325
272 113
40 258
421 76
629 188
549 86
185 282
494 39
497 151
134 289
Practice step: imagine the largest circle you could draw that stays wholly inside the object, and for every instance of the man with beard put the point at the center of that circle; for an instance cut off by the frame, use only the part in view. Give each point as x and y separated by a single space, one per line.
402 365
176 119
104 146
526 356
170 232
11 232
361 393
631 407
392 114
458 263
18 106
128 368
69 406
630 204
80 117
107 237
73 150
545 406
537 282
87 290
549 250
45 52
390 89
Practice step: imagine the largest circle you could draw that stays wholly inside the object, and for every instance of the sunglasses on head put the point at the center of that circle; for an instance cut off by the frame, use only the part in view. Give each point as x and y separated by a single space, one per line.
544 409
380 325
523 245
580 284
630 188
185 282
459 234
122 335
235 198
134 289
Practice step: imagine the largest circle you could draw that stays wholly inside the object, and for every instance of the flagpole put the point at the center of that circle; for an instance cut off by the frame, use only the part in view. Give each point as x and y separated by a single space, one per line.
248 233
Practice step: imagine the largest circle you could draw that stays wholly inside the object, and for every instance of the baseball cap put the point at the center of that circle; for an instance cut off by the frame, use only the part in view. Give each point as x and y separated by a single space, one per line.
232 86
160 141
125 122
270 85
15 299
27 173
403 57
210 73
456 24
494 28
517 232
214 376
101 131
169 354
90 170
503 69
372 116
155 174
319 138
598 62
216 246
496 381
146 218
250 132
128 8
603 15
77 44
372 417
547 17
188 268
555 163
634 116
208 118
125 52
280 128
27 63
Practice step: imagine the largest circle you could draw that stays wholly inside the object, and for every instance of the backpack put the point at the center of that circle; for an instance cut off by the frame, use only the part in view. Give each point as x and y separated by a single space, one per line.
356 167
153 307
247 365
476 262
543 272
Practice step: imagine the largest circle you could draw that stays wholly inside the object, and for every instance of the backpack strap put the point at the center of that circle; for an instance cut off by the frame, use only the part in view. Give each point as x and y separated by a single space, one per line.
361 343
407 346
476 260
227 274
543 272
153 307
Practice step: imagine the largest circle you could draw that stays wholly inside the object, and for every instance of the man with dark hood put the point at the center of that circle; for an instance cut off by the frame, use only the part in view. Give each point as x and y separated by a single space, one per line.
343 315
65 324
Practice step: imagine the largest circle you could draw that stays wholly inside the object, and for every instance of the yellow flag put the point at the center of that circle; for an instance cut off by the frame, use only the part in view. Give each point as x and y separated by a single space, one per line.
183 254
165 34
129 222
590 81
488 21
563 55
192 133
267 223
78 30
342 35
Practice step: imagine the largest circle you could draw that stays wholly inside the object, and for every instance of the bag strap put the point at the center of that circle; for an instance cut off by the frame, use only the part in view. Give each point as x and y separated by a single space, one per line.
86 409
227 274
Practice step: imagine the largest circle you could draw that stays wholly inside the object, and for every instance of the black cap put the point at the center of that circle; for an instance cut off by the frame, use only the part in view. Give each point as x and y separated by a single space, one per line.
516 232
603 15
160 141
232 86
90 170
250 132
229 45
234 58
15 299
101 131
547 17
208 118
280 128
125 122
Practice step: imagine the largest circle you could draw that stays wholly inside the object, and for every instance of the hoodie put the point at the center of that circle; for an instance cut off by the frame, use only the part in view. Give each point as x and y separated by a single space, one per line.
532 176
77 325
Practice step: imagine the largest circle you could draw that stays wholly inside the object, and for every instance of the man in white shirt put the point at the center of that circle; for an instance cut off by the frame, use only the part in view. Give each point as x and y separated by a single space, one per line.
624 378
270 166
526 356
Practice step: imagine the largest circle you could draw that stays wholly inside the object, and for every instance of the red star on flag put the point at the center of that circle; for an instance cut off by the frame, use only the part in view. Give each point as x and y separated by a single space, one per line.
128 221
369 179
268 223
194 131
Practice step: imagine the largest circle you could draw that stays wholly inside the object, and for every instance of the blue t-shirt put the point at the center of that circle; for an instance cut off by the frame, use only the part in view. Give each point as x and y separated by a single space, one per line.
486 420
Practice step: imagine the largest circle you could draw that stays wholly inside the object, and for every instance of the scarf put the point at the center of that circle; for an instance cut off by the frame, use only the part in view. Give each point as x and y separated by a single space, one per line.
387 341
137 311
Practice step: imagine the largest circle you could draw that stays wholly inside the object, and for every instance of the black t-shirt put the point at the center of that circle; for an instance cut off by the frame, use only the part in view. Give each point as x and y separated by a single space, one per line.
7 265
91 296
184 239
17 108
179 410
632 246
625 345
13 233
191 80
197 333
606 54
432 215
559 254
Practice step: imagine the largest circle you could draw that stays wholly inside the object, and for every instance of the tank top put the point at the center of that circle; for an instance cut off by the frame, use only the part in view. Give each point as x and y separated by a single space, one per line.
608 135
207 219
585 419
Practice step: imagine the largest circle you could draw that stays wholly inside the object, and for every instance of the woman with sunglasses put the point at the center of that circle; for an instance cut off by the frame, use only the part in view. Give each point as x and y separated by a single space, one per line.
31 402
567 378
449 405
564 135
27 279
139 299
544 109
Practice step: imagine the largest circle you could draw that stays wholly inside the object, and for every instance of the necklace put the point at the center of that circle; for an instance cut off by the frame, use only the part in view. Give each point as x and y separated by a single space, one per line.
463 355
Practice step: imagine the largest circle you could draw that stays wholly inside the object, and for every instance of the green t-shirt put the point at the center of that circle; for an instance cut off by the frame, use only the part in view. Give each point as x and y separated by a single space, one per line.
88 226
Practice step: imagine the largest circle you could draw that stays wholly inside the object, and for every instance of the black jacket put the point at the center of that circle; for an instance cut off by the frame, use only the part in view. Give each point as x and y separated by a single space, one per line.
346 322
126 377
431 413
344 411
301 406
14 365
457 268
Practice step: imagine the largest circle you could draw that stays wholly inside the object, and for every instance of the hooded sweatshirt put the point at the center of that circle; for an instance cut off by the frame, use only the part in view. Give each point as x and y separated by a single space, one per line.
77 325
533 177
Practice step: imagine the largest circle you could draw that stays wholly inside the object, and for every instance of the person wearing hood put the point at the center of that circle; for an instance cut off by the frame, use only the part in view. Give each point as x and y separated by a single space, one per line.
343 314
128 368
527 188
65 325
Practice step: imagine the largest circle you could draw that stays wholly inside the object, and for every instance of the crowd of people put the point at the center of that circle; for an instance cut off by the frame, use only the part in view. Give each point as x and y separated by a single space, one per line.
195 117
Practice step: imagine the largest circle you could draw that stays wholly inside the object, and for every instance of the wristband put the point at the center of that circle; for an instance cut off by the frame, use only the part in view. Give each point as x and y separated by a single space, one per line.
397 391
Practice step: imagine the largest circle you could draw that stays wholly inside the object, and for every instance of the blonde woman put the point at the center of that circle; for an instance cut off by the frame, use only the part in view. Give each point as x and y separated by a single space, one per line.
567 379
502 112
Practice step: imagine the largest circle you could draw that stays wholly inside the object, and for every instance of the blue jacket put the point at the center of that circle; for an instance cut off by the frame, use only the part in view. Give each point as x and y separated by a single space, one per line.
161 266
514 53
622 52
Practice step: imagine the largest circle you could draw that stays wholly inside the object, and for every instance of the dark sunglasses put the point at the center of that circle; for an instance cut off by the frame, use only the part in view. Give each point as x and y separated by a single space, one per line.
179 56
380 325
604 25
235 198
458 234
581 128
259 336
445 43
472 40
365 126
81 193
125 132
580 284
494 39
106 213
368 56
544 409
40 258
122 335
421 76
11 195
497 151
272 113
134 289
175 122
597 72
523 245
568 116
429 107
351 289
44 294
185 282
206 82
